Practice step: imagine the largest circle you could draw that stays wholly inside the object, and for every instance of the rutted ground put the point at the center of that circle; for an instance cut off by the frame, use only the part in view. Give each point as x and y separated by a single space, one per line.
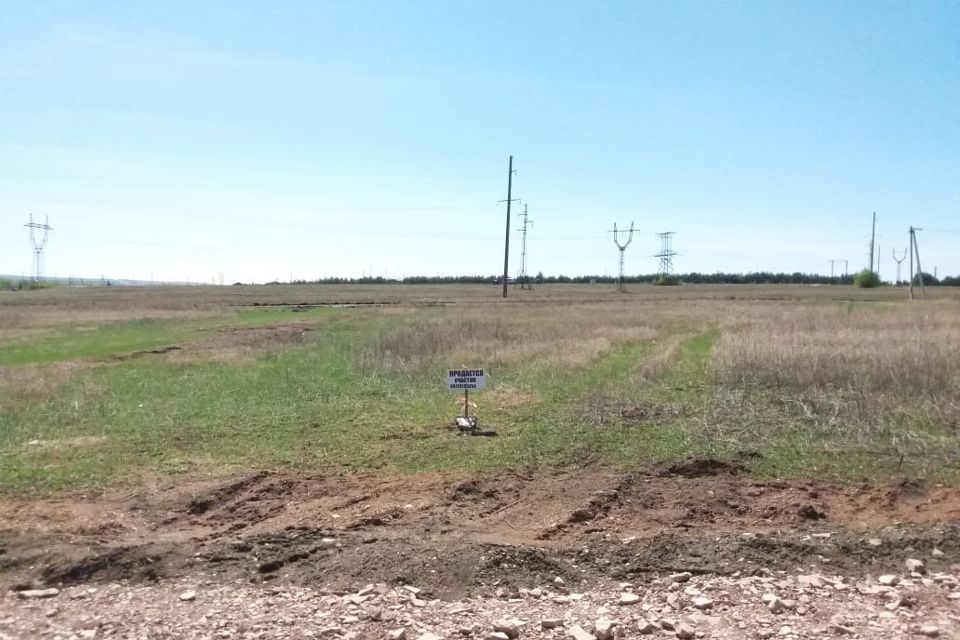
271 554
456 534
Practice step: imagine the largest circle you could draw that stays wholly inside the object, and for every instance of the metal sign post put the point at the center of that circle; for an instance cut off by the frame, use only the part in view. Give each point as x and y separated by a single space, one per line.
466 379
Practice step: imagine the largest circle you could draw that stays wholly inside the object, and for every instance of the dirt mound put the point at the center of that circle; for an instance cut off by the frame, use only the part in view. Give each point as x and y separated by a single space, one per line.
700 467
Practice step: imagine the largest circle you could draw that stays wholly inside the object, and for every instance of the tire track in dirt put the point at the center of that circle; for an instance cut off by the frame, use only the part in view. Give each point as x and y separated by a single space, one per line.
456 534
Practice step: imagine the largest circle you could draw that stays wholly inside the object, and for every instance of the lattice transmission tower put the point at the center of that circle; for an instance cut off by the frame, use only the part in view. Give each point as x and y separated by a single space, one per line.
622 246
524 276
666 253
39 242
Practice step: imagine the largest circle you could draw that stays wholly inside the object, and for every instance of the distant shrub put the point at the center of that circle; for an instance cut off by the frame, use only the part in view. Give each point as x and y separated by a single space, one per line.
667 281
866 279
928 279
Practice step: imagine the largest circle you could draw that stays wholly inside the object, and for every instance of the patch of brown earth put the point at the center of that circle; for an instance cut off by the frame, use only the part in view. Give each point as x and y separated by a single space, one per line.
230 344
456 534
509 398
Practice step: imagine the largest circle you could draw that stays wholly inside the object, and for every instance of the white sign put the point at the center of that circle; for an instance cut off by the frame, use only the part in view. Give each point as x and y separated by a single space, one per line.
466 379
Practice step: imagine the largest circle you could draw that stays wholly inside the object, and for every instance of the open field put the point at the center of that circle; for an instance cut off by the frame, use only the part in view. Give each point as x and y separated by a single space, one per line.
102 385
301 435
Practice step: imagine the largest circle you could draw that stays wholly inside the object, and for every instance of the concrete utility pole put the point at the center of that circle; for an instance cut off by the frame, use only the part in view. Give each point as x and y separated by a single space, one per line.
506 241
914 251
899 262
873 236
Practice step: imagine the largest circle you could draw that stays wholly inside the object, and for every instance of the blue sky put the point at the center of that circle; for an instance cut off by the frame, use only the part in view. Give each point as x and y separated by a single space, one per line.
184 140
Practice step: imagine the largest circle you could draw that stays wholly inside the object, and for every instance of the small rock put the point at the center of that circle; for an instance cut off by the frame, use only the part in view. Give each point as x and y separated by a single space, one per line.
551 623
579 633
915 566
763 634
841 629
685 631
629 598
936 553
668 624
397 634
888 580
785 630
603 629
188 596
497 635
411 589
645 627
874 542
511 628
559 580
776 606
681 577
88 634
30 594
703 603
417 602
929 630
813 580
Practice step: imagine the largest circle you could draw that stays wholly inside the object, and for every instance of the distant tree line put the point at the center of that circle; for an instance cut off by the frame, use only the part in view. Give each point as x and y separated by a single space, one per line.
756 277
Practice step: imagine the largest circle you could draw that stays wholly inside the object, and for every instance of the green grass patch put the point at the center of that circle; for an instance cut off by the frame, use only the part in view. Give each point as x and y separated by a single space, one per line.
364 390
119 338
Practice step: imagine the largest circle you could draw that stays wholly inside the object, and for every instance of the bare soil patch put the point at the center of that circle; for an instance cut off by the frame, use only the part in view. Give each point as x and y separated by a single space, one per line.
229 344
457 535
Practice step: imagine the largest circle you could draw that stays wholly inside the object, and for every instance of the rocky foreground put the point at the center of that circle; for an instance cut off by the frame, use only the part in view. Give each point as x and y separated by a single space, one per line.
913 604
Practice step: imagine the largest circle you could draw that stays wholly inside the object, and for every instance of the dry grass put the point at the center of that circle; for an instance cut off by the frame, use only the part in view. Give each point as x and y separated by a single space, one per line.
33 382
98 305
902 351
238 345
881 380
559 334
